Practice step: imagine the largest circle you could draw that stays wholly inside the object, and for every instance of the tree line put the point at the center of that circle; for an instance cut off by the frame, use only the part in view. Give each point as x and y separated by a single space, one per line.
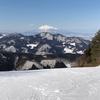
91 56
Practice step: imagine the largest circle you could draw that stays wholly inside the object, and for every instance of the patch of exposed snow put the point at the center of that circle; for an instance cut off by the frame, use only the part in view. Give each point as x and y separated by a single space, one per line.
63 43
68 65
67 50
3 35
72 44
32 46
80 52
2 46
69 46
22 38
11 41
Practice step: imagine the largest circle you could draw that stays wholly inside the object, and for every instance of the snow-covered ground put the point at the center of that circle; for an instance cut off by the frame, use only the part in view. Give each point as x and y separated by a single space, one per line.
51 84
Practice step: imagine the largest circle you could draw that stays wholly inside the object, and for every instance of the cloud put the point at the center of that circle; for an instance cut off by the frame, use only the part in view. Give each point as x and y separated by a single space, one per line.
46 27
31 25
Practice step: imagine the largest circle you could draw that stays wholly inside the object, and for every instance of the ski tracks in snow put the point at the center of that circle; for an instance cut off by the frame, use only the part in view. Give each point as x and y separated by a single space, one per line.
52 84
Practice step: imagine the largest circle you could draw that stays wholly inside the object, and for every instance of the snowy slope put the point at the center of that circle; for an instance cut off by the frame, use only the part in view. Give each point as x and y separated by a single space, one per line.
53 84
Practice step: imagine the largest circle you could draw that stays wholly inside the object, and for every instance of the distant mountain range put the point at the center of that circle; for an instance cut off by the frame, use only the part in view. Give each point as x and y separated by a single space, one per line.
63 32
42 43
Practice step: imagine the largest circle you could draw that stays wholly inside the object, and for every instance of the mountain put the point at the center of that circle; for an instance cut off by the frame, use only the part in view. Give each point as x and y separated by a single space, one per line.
40 51
86 36
42 43
47 28
27 61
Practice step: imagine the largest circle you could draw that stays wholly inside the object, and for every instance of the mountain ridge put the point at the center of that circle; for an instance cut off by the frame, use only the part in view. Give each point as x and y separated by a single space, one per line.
42 43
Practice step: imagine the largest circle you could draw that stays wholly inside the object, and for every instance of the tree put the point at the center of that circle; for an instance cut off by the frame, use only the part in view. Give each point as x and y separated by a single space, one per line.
95 49
85 59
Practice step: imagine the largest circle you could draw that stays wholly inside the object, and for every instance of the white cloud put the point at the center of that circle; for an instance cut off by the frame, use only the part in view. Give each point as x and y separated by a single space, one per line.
31 24
46 27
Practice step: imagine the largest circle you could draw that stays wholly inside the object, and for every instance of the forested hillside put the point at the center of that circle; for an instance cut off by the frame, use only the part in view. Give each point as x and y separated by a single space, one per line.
91 56
27 61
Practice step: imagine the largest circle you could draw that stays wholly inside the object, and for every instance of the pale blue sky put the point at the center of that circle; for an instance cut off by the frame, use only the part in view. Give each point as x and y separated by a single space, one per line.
82 16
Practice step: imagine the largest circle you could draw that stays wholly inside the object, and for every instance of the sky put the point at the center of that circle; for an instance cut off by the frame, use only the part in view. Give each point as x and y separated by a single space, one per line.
82 16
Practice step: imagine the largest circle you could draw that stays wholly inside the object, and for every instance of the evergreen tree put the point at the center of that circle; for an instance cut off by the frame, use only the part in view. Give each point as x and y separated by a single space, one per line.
95 49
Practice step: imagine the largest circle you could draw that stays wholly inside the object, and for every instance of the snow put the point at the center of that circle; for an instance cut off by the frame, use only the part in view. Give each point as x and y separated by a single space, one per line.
50 63
3 35
72 44
78 41
25 50
59 38
46 27
16 60
32 45
51 84
68 64
2 46
11 41
44 49
64 43
10 49
80 52
22 38
67 50
69 46
28 65
46 35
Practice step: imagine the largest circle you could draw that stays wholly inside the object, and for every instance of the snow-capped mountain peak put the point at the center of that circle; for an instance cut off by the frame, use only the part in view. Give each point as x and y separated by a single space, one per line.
46 28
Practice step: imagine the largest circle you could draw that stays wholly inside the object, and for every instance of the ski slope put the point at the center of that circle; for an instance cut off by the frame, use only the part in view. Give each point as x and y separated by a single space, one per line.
51 84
